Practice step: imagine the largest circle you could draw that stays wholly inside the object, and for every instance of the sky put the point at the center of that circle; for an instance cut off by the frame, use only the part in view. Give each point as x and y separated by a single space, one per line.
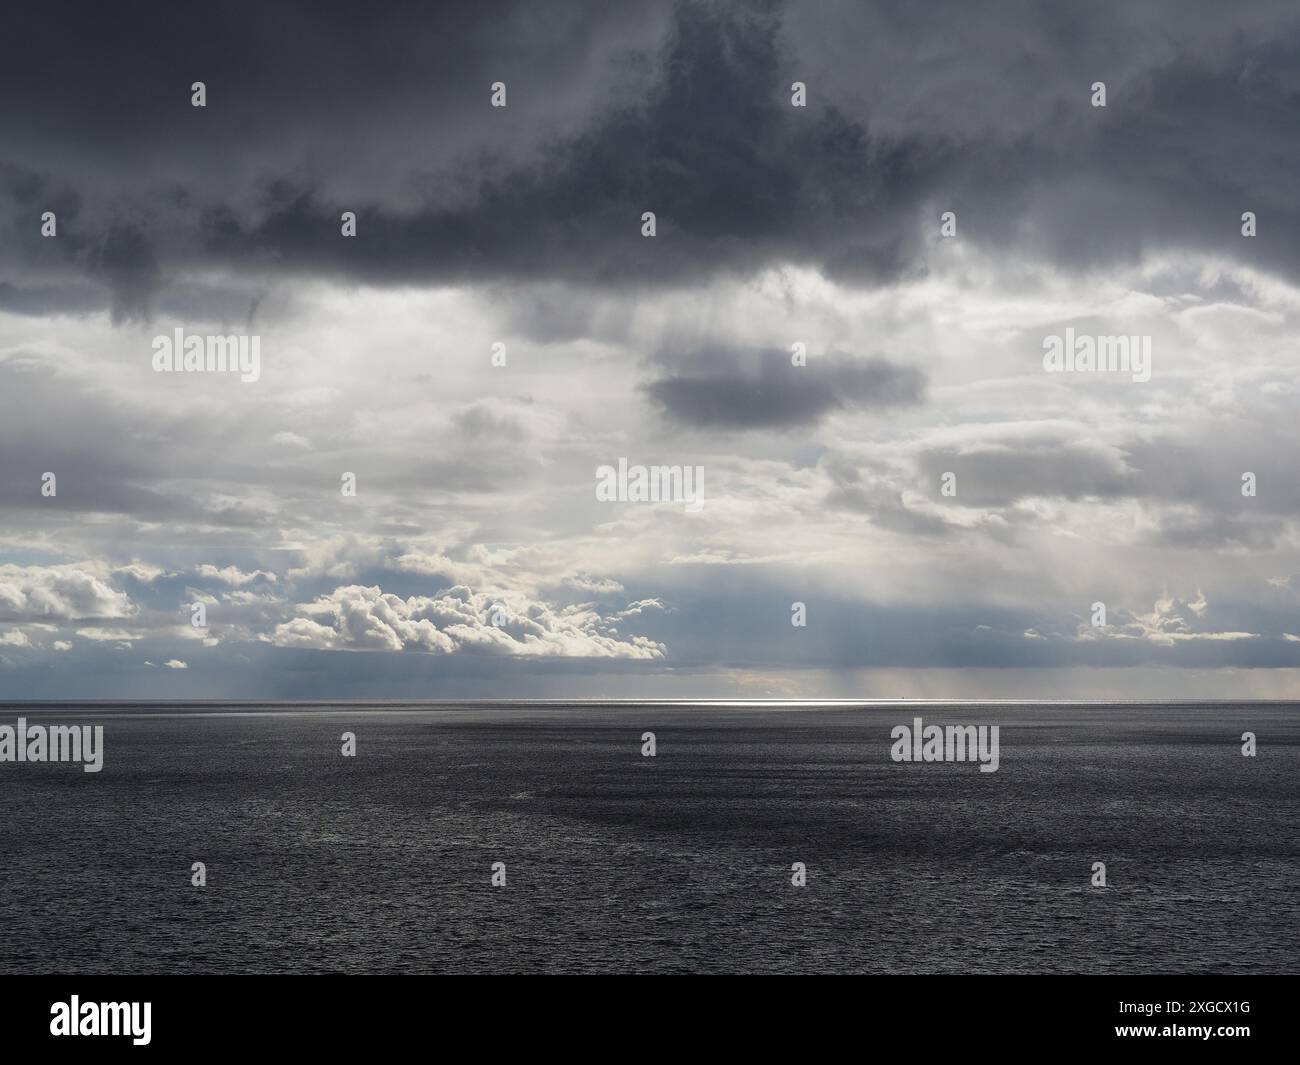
942 512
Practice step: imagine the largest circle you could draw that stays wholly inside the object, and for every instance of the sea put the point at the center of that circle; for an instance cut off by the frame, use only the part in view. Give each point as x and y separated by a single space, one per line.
757 838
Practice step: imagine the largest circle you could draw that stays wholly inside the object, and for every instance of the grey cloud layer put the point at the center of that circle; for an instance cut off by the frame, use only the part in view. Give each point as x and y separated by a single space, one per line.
727 389
686 113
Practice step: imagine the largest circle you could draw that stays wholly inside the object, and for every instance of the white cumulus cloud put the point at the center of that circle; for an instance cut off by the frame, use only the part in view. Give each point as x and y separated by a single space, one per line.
66 592
354 617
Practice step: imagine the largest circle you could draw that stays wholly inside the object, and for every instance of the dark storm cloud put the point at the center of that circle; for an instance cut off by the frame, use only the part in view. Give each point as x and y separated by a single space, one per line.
707 140
126 261
727 389
735 176
1178 155
316 110
80 79
378 105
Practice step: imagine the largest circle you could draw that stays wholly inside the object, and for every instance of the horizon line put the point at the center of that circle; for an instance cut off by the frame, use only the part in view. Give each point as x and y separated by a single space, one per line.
644 702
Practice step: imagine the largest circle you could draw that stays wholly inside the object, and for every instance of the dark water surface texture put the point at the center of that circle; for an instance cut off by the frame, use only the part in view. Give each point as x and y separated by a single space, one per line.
617 862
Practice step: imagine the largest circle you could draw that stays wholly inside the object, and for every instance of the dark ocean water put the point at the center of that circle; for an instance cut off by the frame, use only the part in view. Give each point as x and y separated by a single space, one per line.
616 862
